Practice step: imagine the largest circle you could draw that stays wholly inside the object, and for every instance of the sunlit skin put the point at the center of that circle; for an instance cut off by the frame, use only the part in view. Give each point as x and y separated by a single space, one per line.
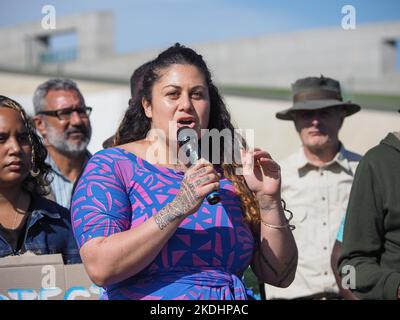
15 148
15 163
181 93
318 130
72 134
78 126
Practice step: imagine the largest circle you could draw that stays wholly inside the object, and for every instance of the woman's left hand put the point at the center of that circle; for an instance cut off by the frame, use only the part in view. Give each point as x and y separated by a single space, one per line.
262 173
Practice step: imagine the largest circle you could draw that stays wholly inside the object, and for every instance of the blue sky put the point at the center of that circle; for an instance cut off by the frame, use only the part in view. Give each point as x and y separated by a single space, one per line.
141 24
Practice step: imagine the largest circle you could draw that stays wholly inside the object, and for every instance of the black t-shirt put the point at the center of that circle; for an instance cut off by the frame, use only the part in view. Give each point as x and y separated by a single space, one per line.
16 237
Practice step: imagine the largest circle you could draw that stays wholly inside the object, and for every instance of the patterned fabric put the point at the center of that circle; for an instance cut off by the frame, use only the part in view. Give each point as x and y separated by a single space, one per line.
206 256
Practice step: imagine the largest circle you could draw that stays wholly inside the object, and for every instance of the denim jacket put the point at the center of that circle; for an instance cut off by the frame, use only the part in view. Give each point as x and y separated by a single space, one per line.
48 231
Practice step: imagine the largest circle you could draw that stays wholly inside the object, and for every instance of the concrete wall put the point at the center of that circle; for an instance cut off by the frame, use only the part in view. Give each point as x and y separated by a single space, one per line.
359 132
363 59
356 57
95 33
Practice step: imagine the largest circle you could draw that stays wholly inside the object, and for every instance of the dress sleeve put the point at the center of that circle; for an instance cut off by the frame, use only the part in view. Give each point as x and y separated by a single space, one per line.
100 204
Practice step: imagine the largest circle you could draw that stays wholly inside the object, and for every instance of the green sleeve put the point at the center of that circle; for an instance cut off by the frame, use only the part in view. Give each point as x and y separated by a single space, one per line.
364 236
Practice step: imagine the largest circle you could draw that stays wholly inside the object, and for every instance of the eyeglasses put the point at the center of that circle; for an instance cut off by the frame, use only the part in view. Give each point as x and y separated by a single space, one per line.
65 114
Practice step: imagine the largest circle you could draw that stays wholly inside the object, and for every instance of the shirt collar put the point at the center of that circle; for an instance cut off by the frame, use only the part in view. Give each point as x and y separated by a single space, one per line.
53 164
341 158
55 168
41 210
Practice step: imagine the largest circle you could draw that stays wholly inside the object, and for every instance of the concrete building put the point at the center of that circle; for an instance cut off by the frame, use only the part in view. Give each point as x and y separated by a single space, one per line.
364 59
109 101
27 46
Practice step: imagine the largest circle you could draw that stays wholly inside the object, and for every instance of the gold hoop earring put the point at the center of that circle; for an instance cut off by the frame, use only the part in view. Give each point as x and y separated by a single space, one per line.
34 173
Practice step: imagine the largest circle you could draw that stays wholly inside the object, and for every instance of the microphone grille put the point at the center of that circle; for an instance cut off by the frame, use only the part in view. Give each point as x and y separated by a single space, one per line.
184 134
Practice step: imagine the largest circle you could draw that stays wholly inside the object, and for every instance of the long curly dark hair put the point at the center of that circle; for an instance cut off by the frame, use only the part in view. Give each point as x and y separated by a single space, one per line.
38 180
135 124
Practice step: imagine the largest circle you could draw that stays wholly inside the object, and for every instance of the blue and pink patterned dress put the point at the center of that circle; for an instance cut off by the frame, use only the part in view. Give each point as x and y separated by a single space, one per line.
206 256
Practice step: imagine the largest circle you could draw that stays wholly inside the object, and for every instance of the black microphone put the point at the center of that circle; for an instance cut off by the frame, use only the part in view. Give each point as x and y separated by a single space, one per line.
187 138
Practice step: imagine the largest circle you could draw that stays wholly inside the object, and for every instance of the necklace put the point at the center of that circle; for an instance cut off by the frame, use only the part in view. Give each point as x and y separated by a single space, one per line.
15 209
15 219
18 211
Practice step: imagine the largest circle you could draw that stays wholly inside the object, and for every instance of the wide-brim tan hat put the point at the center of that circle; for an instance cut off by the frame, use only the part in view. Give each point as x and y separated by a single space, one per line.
315 93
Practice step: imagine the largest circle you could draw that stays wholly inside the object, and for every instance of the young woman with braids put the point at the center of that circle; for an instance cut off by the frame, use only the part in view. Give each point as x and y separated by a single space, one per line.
143 225
28 221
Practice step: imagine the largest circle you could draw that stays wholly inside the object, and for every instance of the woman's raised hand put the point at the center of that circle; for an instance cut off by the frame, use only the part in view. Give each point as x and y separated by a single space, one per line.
262 173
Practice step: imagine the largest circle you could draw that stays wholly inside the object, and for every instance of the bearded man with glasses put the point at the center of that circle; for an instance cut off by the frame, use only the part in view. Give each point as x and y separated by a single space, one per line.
62 119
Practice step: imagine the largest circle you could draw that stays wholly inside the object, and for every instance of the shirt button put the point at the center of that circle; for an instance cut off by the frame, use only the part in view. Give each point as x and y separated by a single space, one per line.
323 198
325 248
324 224
321 173
325 273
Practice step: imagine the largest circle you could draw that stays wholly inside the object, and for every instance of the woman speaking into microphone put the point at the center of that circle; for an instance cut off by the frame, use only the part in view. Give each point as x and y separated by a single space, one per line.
142 221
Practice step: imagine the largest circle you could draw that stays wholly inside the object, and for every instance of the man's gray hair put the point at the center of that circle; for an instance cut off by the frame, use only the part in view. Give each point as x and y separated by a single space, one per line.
53 84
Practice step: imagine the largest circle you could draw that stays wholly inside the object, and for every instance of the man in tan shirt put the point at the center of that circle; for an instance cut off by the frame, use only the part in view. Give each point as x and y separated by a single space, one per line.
316 183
